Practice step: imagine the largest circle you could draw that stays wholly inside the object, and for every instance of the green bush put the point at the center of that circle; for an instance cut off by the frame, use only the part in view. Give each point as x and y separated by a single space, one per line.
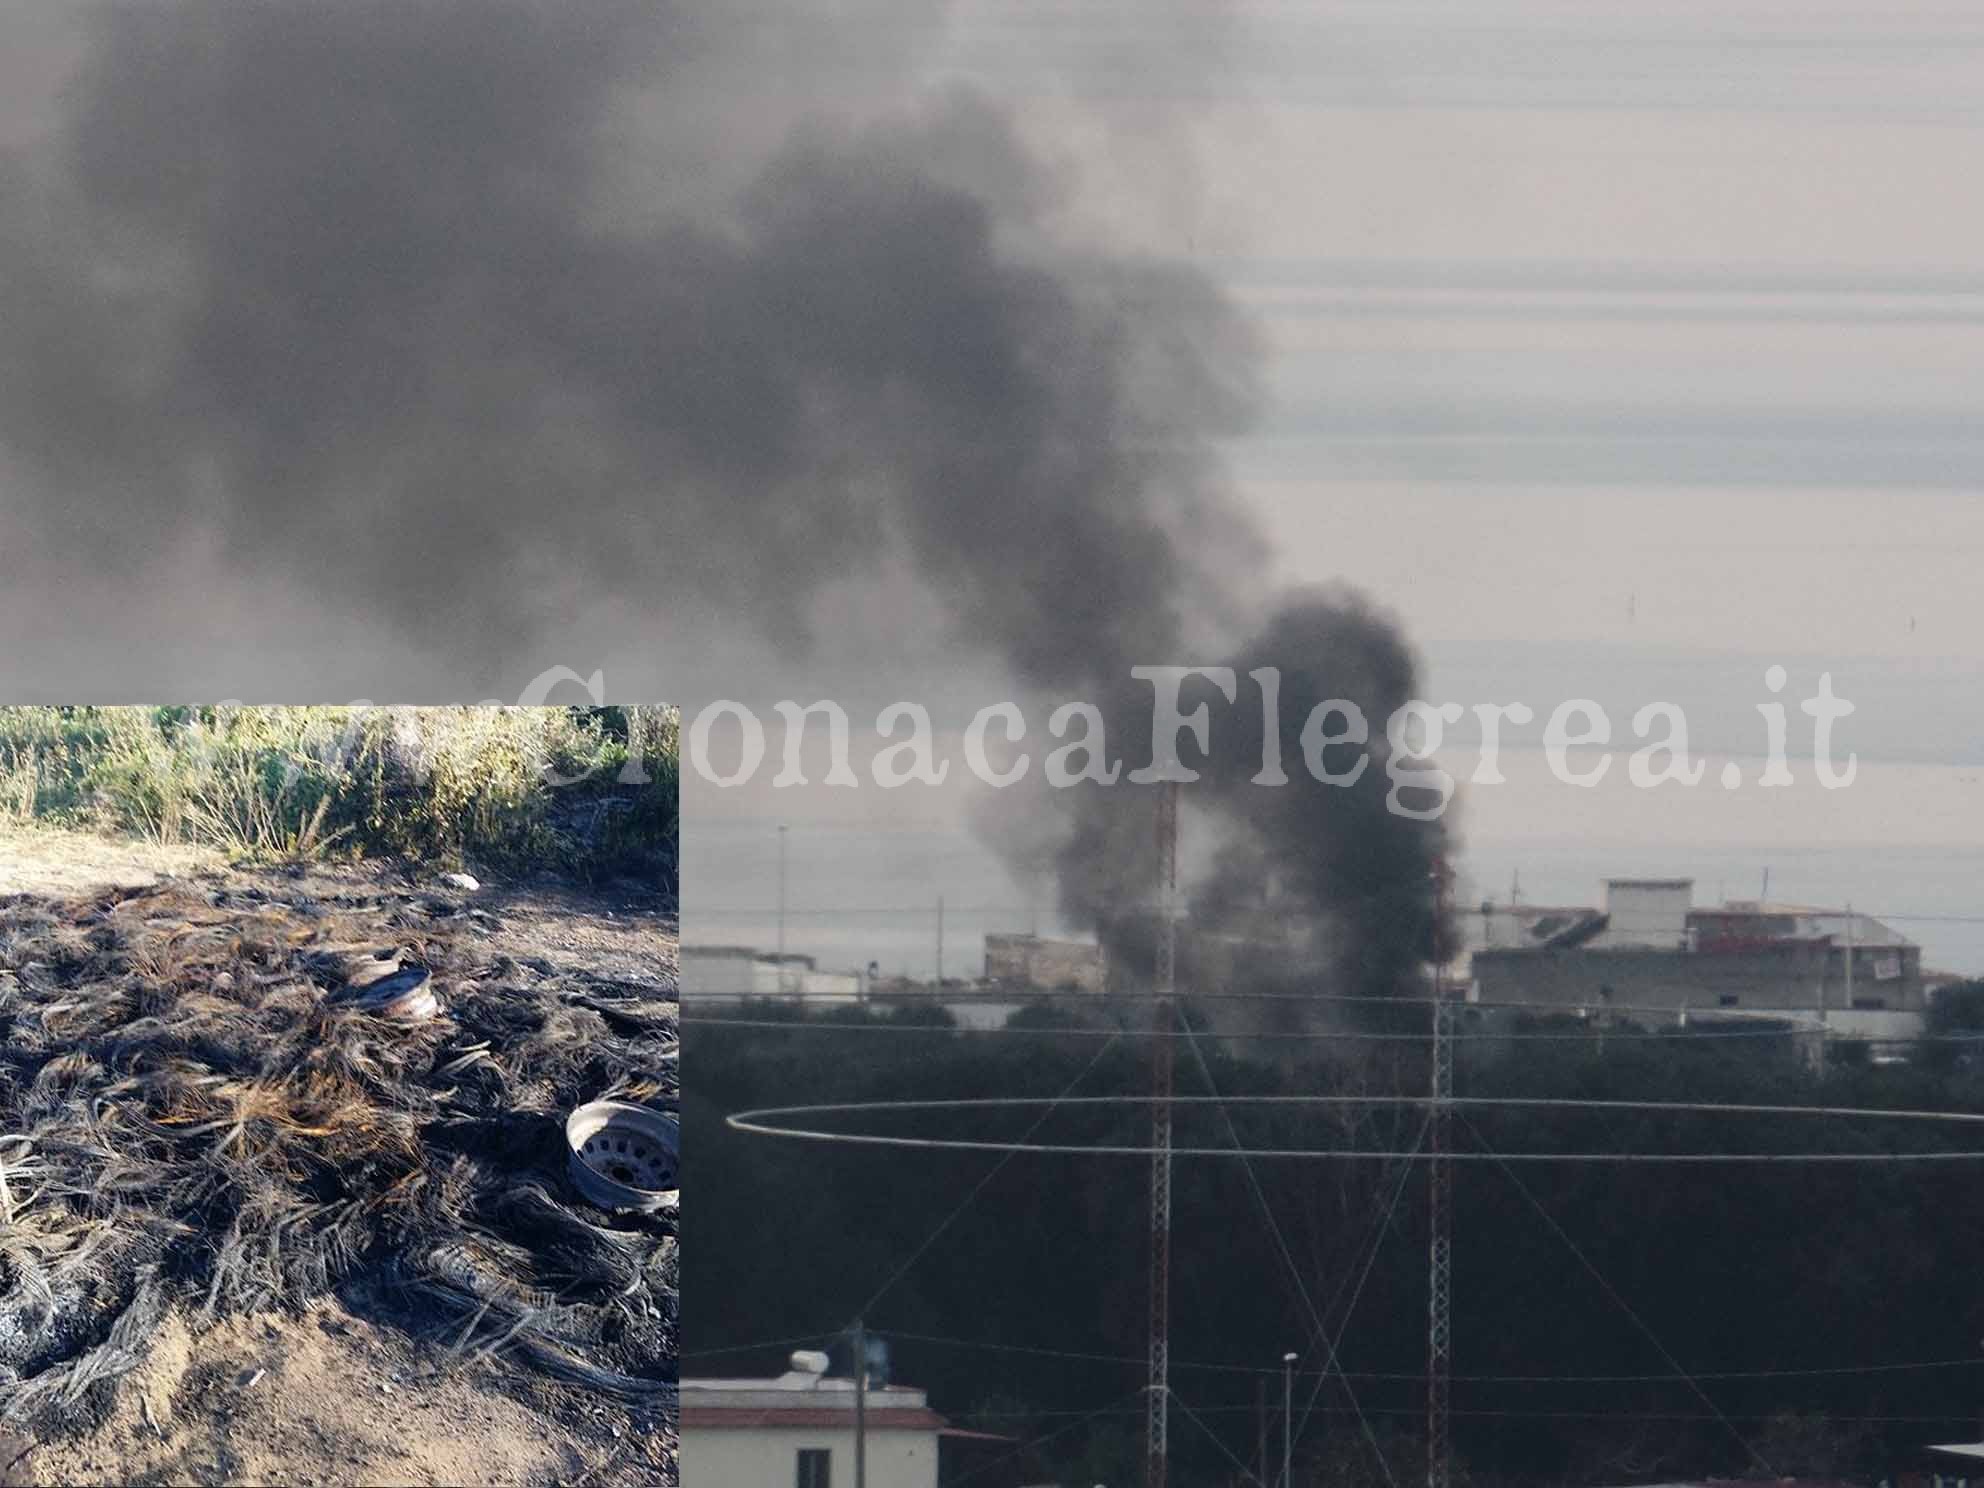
590 791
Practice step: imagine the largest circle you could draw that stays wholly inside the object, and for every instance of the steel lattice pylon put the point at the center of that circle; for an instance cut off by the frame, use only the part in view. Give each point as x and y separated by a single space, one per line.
1439 1206
1156 1409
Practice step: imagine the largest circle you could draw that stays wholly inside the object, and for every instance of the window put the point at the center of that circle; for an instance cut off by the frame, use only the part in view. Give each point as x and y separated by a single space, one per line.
1729 999
816 1468
1870 1004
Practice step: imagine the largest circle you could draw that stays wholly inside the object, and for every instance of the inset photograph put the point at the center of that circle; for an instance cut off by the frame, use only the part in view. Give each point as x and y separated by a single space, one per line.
339 1095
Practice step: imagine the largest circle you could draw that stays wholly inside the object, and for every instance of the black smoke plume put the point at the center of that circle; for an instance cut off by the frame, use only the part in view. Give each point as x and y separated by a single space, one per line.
1311 887
462 314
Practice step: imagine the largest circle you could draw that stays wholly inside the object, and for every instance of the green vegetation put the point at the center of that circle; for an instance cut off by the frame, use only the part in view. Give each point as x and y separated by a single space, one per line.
1956 1017
1026 1312
590 791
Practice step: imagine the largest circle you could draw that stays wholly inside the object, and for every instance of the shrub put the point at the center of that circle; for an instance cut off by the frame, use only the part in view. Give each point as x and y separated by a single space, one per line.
586 790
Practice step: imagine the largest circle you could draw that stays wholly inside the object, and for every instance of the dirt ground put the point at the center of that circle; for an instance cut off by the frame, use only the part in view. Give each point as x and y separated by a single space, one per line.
621 929
334 1397
37 861
330 1399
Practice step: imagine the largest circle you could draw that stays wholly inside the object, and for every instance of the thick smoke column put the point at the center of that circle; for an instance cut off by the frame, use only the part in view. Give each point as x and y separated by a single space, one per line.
1314 886
394 298
463 312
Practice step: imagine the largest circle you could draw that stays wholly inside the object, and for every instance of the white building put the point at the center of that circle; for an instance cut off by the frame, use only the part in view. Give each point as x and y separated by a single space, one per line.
733 973
1646 912
797 1431
1958 1465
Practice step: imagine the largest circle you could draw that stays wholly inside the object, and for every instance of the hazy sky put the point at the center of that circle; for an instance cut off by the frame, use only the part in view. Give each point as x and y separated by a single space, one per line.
1650 325
1622 351
1617 350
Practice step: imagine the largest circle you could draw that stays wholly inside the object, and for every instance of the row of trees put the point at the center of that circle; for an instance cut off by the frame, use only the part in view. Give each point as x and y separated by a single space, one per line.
1580 1288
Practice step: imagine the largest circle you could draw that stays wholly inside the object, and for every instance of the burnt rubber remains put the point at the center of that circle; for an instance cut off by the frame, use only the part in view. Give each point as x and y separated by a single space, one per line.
229 1097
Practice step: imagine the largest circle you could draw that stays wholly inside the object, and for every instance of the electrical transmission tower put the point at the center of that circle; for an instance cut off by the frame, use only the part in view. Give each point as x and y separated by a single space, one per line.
1440 1196
1156 1416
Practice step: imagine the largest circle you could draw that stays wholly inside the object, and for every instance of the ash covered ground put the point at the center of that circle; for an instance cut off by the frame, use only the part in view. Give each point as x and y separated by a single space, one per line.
198 1136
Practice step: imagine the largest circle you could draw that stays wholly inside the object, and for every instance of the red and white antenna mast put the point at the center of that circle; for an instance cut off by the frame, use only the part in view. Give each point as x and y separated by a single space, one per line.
1156 1415
1440 1196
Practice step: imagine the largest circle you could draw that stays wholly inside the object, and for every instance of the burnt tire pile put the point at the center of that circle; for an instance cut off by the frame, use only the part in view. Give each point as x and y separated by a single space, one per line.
200 1109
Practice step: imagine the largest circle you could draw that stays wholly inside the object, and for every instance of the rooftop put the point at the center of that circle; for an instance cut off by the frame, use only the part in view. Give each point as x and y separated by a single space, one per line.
701 1415
800 1385
799 1398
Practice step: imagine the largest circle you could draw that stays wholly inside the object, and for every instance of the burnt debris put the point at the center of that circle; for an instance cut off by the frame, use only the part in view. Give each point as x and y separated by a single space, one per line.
201 1108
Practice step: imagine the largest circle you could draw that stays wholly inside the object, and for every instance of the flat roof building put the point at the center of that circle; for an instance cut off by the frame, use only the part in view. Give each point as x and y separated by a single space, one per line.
1651 949
797 1431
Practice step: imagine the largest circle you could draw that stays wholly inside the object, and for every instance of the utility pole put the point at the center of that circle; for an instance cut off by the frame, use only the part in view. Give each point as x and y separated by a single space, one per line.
1852 940
1261 1426
860 1405
781 907
940 942
1287 1415
1852 943
1156 1418
1439 1199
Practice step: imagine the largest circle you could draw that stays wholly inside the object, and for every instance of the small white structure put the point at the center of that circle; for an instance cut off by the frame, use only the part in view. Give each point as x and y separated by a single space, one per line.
1647 912
797 1431
719 974
1958 1464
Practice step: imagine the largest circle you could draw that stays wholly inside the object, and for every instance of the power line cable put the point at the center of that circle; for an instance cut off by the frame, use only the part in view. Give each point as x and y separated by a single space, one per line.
1021 911
1076 1355
1624 1306
1321 1330
978 1188
1193 1416
930 996
755 1121
1513 1413
1343 1035
1370 1260
1114 1407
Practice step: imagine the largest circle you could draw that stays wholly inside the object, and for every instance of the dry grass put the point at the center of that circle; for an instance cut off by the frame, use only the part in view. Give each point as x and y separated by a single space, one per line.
188 1114
588 790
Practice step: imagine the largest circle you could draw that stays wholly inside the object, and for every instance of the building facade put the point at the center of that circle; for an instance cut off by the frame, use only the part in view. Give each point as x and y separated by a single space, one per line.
1651 948
1648 913
798 1431
1030 961
735 973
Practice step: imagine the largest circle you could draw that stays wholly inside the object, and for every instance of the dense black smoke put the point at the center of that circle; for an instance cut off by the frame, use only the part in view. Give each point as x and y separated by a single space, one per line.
394 299
1312 886
463 313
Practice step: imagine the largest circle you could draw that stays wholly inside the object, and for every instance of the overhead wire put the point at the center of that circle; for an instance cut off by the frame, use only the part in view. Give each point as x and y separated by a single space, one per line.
1370 1260
1624 1306
979 1187
1321 1331
1518 1414
1023 911
1193 1416
754 1121
1269 1036
1082 1356
1115 1406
